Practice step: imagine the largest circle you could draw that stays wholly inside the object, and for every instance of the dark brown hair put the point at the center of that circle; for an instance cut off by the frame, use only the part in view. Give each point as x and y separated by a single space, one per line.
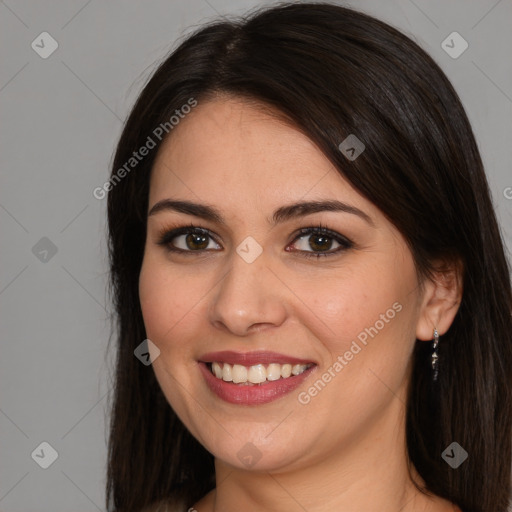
332 71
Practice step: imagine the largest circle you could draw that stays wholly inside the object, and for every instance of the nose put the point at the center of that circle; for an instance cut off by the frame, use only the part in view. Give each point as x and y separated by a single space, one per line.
250 298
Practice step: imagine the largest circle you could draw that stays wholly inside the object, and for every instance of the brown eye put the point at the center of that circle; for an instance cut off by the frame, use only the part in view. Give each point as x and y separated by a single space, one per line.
186 240
320 240
196 241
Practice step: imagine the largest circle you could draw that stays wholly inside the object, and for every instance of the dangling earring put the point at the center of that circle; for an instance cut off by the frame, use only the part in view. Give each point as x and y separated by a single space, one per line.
435 356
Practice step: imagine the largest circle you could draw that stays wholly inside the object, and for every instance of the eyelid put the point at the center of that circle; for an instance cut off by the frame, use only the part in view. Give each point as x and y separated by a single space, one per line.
167 234
318 229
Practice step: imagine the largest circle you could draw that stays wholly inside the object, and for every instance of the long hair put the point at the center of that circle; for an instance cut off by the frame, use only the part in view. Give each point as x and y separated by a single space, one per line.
332 72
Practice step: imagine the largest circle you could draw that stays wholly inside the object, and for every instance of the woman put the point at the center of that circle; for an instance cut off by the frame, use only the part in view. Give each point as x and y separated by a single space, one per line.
303 245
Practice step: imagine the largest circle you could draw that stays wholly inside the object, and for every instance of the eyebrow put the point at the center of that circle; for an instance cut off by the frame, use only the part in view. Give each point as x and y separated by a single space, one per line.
280 215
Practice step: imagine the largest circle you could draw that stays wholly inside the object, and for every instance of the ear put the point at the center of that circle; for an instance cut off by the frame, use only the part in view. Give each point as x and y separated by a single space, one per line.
442 294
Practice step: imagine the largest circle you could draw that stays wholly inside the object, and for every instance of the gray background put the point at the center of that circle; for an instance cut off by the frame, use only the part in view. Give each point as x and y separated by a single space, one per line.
61 117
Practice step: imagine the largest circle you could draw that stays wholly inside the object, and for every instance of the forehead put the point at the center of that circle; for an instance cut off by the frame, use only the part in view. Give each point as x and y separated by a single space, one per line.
229 151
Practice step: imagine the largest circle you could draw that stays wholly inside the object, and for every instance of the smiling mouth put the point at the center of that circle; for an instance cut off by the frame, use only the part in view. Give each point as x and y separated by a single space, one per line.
255 374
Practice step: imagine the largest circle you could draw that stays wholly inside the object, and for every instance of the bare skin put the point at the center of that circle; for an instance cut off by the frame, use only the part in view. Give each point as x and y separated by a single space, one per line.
343 448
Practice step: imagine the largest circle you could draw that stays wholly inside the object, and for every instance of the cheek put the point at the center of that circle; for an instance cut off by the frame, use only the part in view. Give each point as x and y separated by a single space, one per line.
348 305
365 321
167 304
164 299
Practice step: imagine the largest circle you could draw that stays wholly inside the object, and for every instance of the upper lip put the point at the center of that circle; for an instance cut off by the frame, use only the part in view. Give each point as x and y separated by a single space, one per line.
251 358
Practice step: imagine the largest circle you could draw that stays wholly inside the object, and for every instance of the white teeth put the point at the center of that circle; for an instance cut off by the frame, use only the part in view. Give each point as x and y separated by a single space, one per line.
217 370
274 371
256 374
226 373
239 373
286 370
297 369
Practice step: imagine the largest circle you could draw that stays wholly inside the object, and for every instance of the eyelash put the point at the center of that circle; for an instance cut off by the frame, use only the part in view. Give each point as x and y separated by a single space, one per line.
166 236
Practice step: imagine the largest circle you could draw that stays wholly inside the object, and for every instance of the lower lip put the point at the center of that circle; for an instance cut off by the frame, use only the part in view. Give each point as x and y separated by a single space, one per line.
256 394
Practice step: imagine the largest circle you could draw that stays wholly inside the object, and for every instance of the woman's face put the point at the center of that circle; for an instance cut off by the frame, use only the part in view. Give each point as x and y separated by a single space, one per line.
247 297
